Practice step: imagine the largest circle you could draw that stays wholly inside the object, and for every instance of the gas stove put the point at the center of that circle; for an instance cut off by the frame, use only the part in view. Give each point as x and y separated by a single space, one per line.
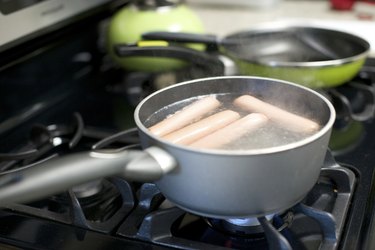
67 96
122 210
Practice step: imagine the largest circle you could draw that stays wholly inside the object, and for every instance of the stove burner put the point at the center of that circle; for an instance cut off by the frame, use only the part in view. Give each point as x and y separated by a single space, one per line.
45 142
98 205
247 222
238 227
103 204
88 189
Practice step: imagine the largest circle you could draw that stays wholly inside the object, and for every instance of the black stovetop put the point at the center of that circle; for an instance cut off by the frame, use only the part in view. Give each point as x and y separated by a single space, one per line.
69 97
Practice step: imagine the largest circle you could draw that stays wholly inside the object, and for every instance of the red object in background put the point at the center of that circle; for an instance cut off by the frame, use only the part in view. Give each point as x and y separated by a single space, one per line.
342 4
365 9
368 1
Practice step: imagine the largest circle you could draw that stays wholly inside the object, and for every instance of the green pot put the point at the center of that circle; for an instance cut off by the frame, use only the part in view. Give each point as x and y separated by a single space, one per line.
129 23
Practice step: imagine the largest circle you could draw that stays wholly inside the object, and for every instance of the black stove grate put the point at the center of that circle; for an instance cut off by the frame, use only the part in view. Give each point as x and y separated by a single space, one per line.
99 205
317 222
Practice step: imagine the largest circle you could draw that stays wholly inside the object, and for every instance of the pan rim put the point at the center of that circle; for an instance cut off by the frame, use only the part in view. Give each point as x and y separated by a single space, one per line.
272 27
308 65
326 128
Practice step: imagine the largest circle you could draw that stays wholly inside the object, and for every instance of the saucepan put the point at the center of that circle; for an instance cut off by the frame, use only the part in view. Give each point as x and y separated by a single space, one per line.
212 182
311 56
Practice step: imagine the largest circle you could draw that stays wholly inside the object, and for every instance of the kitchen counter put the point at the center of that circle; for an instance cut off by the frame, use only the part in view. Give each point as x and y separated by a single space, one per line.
225 18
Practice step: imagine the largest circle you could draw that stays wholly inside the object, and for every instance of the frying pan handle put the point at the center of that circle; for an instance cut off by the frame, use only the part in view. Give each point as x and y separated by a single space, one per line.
201 59
182 37
59 174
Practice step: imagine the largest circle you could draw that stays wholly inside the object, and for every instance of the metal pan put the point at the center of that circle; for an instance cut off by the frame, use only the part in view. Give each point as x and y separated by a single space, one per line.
208 182
311 56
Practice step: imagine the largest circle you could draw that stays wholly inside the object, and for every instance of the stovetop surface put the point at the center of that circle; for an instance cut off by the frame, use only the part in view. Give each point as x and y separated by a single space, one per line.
72 81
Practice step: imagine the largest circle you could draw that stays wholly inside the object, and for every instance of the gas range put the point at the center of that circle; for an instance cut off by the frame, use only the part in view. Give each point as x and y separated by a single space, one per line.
120 210
68 97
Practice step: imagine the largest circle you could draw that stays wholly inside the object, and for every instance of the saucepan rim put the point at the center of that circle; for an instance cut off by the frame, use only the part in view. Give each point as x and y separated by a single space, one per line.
262 151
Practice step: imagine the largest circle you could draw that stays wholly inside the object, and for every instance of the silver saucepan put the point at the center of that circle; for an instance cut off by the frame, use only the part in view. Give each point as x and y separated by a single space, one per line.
209 182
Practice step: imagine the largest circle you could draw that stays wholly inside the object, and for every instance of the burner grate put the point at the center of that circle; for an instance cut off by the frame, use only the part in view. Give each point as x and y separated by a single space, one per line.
45 142
99 205
324 210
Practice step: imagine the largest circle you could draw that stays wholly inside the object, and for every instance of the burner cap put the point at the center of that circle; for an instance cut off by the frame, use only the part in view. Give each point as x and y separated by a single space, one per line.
88 189
238 226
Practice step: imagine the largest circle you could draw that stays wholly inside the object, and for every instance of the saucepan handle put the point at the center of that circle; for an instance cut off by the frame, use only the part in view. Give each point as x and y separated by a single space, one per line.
59 174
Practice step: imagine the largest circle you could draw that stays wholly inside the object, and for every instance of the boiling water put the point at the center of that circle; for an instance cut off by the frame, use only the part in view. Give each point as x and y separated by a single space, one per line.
269 135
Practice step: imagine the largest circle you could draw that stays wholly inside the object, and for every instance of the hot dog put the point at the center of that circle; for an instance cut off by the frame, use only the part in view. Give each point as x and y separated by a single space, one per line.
185 116
231 132
202 128
284 118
